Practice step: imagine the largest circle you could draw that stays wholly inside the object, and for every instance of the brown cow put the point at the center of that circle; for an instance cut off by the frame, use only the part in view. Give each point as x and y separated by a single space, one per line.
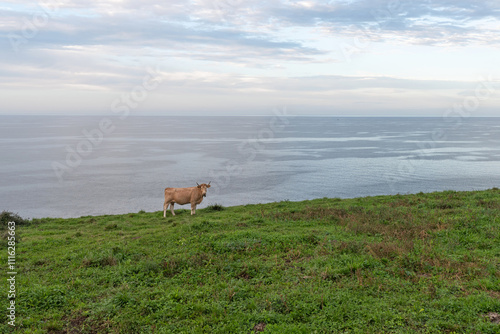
193 195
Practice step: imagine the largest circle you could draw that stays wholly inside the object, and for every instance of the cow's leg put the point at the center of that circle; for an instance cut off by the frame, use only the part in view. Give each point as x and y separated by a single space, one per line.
165 206
193 209
172 208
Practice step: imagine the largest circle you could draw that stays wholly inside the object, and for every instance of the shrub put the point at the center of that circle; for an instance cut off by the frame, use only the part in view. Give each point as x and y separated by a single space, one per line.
6 217
215 207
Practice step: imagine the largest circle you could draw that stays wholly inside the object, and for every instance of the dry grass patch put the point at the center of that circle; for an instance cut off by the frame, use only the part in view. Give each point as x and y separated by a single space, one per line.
388 250
311 213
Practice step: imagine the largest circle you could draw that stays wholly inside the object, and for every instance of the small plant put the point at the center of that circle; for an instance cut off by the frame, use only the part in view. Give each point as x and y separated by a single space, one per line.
45 298
215 207
103 261
111 226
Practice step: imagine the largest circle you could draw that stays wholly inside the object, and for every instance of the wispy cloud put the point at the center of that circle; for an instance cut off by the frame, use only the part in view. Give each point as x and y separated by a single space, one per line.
411 22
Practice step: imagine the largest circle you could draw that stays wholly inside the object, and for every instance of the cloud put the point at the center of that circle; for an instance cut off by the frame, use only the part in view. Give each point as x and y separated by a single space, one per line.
247 27
425 22
276 50
198 92
230 21
412 22
168 27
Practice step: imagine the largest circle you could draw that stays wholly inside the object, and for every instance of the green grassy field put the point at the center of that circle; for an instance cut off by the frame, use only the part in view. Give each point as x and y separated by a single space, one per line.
423 263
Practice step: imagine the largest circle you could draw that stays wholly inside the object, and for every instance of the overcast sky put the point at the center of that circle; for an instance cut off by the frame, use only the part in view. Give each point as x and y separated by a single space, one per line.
235 57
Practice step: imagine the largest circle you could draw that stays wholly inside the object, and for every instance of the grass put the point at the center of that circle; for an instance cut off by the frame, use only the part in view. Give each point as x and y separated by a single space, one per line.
423 263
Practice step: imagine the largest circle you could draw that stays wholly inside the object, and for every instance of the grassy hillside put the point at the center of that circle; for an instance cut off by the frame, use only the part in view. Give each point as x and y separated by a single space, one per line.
425 263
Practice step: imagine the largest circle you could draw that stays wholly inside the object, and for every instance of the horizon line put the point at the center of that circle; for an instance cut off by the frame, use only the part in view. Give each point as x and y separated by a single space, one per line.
259 115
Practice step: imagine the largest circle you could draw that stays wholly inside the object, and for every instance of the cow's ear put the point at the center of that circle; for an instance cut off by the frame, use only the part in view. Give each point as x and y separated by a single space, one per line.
198 186
208 186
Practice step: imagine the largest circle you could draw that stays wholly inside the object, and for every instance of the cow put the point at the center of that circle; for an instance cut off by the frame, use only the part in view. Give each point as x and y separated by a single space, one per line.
193 195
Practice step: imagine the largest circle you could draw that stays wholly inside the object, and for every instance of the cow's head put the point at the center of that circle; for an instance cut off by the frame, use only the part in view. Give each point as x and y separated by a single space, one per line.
203 188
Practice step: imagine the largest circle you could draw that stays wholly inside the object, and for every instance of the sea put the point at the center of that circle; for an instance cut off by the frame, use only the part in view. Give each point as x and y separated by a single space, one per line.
58 166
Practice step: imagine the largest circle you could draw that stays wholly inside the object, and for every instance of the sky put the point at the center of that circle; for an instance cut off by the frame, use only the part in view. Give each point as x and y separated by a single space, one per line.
249 57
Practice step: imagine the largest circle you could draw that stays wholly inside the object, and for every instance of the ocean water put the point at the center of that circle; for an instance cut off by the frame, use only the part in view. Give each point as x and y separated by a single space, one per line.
76 166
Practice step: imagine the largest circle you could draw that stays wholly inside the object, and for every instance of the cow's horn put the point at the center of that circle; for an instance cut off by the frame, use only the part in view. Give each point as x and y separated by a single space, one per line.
209 182
197 184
